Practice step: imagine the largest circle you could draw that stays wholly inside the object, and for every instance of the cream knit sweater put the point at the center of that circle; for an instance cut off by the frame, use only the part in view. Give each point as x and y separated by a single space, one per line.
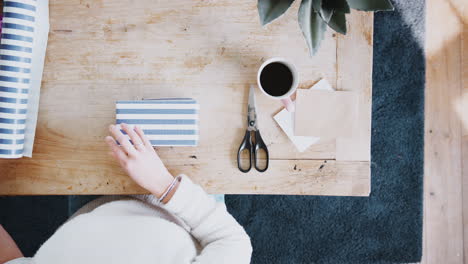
191 228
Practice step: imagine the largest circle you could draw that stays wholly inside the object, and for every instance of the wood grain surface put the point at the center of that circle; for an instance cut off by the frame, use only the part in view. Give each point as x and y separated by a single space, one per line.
464 117
103 51
446 144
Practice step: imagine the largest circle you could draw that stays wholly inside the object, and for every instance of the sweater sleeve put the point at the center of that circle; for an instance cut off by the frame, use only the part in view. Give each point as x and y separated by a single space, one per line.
20 261
222 239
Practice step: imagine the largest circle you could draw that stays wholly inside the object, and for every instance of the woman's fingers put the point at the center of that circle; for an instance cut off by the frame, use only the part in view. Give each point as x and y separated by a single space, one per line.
116 151
137 142
123 140
142 136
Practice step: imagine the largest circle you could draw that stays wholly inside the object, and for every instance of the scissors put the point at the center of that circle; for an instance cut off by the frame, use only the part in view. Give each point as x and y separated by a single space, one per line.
252 143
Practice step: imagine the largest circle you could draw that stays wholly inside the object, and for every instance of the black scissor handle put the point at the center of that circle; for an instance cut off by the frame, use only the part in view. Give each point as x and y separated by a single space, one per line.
260 145
245 145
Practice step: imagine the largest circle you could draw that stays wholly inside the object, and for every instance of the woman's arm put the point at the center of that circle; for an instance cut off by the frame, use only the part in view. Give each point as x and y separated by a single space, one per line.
222 238
8 248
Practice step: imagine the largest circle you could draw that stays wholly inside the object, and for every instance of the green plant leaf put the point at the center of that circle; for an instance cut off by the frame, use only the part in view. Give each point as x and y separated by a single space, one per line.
317 5
338 23
269 10
326 13
312 25
338 5
371 5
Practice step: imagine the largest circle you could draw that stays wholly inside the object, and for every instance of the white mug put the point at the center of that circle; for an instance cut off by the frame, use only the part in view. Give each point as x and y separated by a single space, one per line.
285 98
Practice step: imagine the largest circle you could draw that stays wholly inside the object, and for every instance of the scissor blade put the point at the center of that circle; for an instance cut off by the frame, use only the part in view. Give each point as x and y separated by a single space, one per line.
252 97
251 113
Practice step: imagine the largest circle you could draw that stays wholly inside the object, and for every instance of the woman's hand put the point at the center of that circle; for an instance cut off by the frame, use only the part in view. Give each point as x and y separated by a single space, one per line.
139 160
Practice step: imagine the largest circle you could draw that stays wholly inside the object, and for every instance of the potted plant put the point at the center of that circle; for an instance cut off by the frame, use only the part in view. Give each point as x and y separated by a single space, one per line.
315 15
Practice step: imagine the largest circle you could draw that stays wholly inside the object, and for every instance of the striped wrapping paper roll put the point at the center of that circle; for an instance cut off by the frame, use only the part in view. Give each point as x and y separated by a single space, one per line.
166 122
16 47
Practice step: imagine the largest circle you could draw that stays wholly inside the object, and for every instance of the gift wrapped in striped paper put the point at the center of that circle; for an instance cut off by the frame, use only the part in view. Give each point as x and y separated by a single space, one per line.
166 122
25 27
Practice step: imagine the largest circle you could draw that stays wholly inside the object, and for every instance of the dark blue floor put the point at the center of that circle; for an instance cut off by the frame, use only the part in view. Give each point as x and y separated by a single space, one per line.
384 228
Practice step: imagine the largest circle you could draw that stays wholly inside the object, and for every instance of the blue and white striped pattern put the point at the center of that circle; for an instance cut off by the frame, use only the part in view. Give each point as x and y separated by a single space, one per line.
16 46
166 122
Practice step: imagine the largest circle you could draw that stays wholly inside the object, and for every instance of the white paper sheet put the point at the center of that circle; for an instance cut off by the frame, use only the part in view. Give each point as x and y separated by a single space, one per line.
41 36
285 120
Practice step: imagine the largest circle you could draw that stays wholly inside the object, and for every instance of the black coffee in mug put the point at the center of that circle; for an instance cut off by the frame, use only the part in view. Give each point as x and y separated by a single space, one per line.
276 79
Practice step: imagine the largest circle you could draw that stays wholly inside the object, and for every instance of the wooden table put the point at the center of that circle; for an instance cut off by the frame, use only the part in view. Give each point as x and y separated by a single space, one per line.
103 51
